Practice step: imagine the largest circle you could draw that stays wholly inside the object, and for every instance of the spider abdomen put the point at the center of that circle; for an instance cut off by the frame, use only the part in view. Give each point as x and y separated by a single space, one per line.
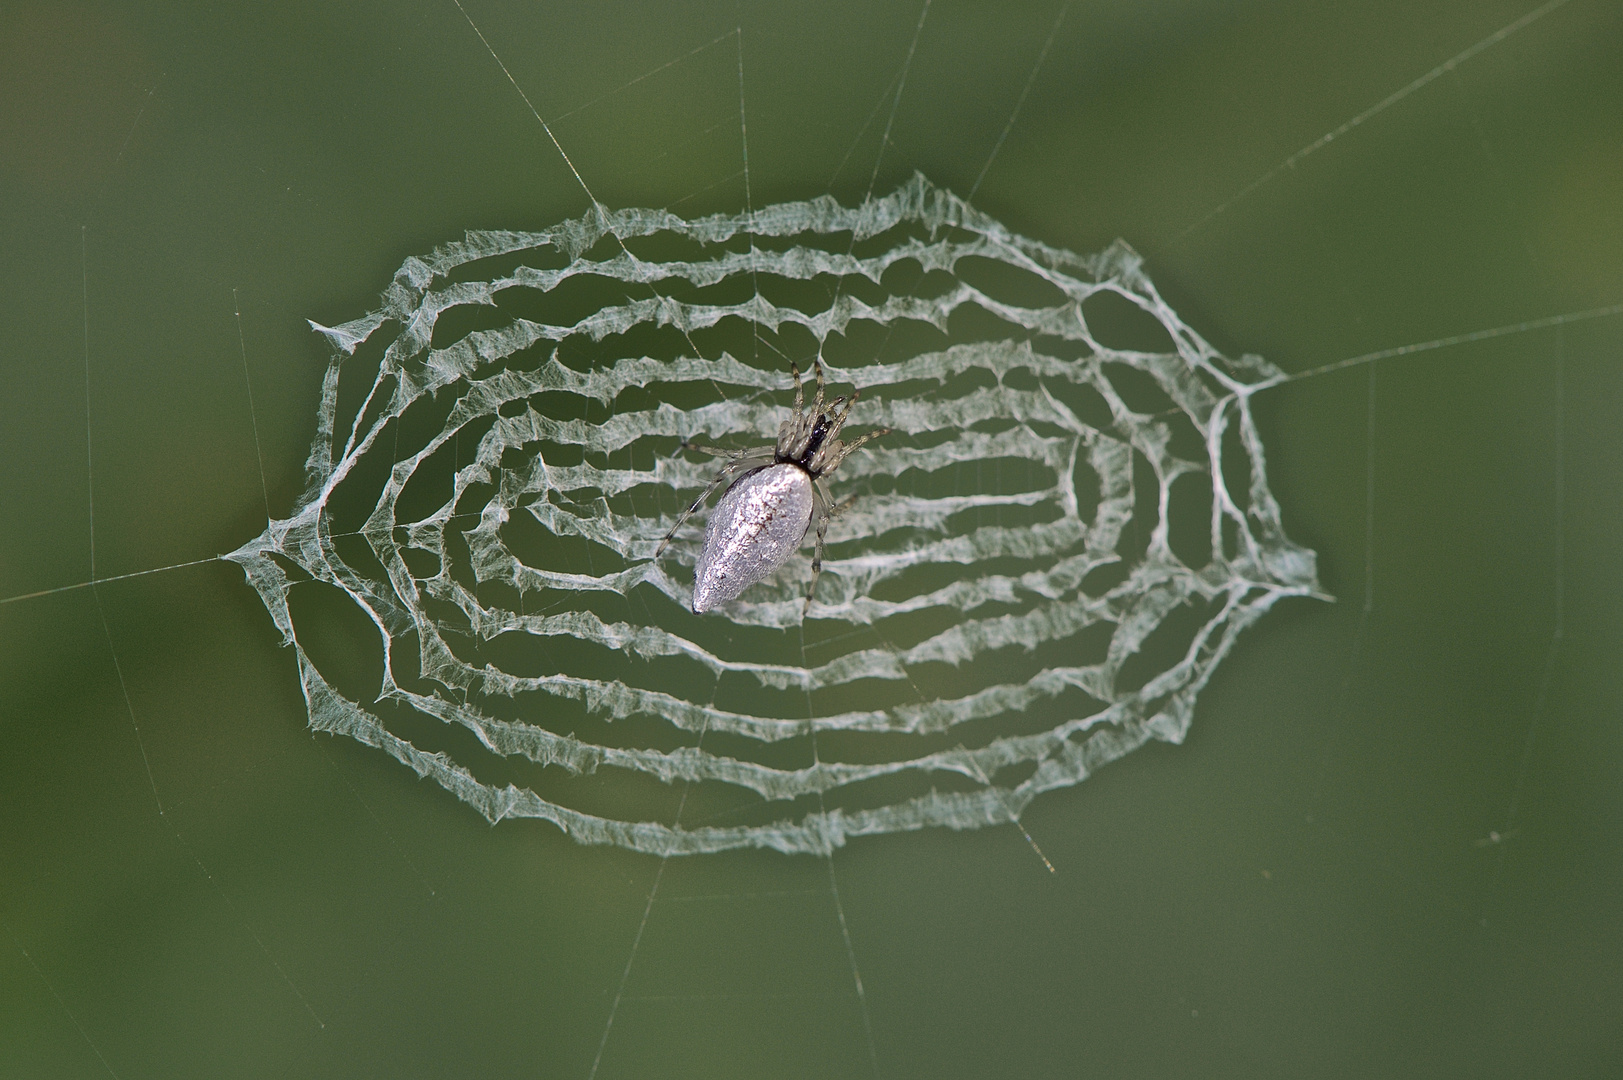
759 523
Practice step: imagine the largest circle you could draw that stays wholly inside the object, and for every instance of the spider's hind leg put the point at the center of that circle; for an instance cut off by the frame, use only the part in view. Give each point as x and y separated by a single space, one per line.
825 513
741 459
682 520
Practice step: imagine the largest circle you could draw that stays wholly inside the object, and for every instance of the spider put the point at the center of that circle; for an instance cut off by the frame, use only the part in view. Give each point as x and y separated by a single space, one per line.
775 494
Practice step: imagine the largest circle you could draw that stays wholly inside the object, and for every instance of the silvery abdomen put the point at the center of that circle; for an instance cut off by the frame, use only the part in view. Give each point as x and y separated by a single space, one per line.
755 528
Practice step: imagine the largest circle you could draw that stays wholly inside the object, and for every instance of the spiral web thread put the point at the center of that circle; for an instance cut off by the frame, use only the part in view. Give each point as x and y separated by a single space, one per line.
1008 590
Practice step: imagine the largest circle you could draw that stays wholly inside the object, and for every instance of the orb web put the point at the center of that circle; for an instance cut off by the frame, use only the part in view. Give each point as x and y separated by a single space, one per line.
1039 571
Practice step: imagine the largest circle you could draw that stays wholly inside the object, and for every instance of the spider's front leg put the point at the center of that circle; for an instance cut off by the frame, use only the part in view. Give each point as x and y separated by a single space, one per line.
817 399
800 393
846 449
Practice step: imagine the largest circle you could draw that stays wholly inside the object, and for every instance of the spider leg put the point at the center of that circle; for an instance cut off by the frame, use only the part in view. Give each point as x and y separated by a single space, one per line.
817 554
680 521
842 409
817 401
741 459
790 431
846 449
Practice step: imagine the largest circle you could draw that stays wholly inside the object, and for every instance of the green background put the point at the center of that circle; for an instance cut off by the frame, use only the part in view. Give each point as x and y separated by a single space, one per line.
193 885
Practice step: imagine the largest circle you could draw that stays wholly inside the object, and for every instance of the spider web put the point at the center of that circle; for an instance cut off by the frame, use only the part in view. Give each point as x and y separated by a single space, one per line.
919 581
592 779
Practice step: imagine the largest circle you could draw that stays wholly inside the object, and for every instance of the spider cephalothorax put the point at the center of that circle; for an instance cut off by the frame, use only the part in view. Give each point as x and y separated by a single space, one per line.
775 494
